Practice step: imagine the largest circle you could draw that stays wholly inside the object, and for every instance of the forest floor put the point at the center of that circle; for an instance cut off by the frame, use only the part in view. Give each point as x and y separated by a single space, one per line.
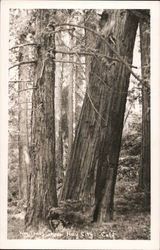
131 221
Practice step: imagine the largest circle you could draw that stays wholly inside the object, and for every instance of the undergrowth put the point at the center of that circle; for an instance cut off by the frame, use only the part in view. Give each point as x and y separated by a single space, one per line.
131 221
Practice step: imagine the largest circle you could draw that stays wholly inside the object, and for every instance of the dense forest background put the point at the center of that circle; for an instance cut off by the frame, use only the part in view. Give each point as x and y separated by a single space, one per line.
79 124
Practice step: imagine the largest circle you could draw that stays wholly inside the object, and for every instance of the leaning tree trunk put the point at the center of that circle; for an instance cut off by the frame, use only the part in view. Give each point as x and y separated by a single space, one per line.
93 163
42 185
90 21
144 180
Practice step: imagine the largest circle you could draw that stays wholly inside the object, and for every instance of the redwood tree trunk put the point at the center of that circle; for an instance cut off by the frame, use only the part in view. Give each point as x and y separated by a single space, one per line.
22 143
93 164
70 106
144 180
42 185
23 124
90 21
60 170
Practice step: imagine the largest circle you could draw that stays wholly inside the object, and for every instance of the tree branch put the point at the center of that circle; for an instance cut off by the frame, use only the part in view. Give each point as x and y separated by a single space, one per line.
92 104
89 54
68 62
25 89
23 45
94 107
21 63
20 81
83 54
60 30
36 44
106 42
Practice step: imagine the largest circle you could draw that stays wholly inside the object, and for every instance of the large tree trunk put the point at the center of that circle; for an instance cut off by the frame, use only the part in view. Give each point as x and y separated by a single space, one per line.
144 180
42 185
93 164
90 21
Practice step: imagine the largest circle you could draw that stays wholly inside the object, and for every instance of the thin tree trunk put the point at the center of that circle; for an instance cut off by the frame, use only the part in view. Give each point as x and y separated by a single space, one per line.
23 131
144 178
23 145
71 98
70 107
92 169
60 170
42 179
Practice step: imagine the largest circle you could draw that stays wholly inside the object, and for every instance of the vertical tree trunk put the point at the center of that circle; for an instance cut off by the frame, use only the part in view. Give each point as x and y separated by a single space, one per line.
79 93
70 107
22 145
79 87
42 182
93 164
144 179
71 97
22 123
25 84
60 126
58 106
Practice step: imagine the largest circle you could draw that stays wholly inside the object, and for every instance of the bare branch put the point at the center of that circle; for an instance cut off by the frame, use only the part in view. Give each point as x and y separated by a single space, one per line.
20 81
23 45
108 44
21 63
36 44
68 62
125 120
134 67
89 54
25 89
83 54
107 85
92 104
94 107
61 30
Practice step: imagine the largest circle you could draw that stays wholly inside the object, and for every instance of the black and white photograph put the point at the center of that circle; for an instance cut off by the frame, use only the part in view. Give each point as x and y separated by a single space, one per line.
79 124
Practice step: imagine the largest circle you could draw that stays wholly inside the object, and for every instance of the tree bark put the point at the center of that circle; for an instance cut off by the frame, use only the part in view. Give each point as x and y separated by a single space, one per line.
144 178
23 126
58 122
70 105
90 21
42 178
92 169
71 97
22 145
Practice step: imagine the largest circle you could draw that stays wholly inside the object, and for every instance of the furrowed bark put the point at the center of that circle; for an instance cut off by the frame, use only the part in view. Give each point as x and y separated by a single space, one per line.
42 180
92 169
